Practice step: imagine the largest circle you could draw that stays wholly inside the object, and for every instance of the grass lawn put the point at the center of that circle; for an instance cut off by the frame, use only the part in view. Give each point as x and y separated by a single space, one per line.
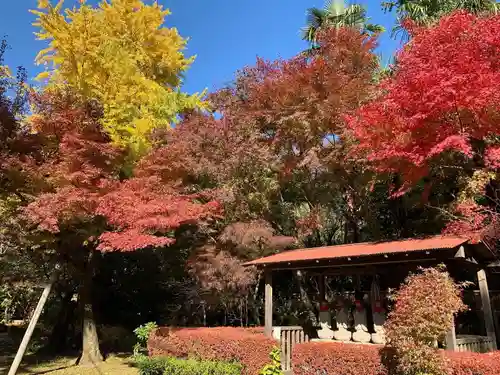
66 366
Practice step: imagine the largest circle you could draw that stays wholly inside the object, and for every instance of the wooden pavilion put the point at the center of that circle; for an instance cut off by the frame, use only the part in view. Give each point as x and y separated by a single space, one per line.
387 264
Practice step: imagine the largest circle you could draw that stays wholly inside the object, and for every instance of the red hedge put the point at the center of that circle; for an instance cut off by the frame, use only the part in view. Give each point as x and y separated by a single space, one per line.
336 358
474 363
357 359
251 348
248 346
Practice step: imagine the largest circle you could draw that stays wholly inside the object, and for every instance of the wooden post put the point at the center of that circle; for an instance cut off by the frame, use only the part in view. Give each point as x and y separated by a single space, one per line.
451 339
31 326
268 304
321 287
486 306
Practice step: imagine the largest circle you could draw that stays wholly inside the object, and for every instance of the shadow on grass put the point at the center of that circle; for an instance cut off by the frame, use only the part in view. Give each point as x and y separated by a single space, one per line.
117 360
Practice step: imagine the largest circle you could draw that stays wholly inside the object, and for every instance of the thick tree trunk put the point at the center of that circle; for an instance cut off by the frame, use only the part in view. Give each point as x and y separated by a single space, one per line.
90 353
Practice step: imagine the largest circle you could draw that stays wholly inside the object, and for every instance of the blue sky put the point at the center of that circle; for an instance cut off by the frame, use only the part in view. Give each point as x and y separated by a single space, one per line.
224 34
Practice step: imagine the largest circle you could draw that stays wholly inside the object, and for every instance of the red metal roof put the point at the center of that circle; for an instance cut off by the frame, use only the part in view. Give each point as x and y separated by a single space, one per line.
362 249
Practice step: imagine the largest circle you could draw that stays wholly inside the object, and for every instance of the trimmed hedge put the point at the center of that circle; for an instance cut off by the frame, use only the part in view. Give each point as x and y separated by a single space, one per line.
474 363
335 358
250 348
358 359
247 346
174 366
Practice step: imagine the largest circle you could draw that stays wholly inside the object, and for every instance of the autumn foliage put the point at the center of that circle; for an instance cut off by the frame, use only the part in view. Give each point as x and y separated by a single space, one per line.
84 184
336 358
121 54
422 315
247 346
351 359
442 97
318 149
438 111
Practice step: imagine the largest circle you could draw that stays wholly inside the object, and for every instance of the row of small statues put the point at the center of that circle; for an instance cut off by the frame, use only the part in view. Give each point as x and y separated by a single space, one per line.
359 332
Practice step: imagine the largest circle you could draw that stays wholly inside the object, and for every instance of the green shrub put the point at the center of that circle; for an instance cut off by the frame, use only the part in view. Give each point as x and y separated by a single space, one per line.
274 368
174 366
142 333
193 367
150 365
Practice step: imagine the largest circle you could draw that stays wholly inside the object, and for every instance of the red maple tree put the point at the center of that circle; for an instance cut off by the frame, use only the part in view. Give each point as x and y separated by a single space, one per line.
92 202
442 100
83 169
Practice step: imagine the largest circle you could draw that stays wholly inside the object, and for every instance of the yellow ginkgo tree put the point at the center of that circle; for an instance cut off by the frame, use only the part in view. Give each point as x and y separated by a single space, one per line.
120 54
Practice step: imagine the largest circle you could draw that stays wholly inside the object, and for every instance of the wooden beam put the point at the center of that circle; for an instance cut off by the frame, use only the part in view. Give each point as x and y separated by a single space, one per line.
268 304
486 305
343 264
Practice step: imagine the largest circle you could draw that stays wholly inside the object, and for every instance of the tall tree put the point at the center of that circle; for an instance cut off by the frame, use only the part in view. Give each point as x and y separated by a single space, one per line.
87 206
297 105
121 55
336 14
438 115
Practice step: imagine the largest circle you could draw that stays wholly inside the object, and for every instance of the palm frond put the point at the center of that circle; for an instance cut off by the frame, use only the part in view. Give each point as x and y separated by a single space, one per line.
374 28
316 17
309 33
480 6
334 7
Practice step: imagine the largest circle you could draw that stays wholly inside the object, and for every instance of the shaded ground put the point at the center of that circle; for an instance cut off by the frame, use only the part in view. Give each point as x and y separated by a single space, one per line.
118 365
35 364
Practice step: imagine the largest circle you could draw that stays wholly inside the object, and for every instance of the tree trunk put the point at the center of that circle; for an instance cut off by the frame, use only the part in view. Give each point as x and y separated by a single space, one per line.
91 353
255 309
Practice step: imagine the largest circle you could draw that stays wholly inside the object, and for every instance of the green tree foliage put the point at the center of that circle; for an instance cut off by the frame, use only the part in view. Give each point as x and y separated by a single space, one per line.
336 14
426 12
121 55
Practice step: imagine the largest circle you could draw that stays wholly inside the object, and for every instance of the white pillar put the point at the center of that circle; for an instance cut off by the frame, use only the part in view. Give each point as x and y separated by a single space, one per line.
486 306
451 338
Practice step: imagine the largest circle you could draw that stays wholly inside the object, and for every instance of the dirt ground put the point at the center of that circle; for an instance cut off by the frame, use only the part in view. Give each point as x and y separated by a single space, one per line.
117 364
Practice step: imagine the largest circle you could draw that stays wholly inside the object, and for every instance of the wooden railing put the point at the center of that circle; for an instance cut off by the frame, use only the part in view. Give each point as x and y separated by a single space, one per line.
473 343
289 336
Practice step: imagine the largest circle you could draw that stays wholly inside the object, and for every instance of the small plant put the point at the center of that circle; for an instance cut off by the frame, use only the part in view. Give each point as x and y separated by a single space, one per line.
150 365
142 333
274 368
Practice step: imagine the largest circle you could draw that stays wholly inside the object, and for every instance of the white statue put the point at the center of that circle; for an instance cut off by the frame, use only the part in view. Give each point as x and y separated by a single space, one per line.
378 337
325 332
360 333
342 333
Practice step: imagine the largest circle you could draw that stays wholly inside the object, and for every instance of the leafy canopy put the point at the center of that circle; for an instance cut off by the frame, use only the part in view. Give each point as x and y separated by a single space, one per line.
119 54
85 191
336 14
427 12
440 108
